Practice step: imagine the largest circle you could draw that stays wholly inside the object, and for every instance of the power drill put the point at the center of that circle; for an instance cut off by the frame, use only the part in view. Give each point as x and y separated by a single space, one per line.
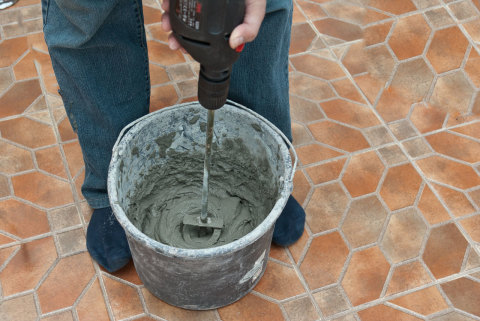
203 28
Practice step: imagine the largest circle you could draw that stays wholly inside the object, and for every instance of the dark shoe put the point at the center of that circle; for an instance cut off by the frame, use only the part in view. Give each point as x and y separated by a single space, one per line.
106 240
289 226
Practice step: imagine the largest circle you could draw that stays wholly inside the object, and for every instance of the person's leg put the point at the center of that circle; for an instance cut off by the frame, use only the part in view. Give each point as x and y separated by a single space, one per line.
260 82
99 55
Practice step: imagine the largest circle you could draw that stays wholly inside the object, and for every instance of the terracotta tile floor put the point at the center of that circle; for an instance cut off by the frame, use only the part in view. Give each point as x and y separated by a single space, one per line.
385 106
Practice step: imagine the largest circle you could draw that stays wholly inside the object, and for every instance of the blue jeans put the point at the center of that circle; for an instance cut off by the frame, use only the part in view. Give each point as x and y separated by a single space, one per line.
99 55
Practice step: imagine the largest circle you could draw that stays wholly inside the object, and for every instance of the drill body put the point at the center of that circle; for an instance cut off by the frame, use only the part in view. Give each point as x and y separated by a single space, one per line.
203 28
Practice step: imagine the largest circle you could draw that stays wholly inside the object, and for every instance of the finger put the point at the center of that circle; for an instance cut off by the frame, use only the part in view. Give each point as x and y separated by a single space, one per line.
166 5
248 30
166 26
173 43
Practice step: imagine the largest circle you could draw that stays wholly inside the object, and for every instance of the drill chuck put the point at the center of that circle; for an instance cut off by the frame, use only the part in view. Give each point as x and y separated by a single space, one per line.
213 88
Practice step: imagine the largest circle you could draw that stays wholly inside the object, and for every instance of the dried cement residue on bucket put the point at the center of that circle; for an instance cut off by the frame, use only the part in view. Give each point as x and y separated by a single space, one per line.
241 193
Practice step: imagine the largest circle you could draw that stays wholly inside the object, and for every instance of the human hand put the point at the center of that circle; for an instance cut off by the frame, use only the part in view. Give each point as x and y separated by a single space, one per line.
245 32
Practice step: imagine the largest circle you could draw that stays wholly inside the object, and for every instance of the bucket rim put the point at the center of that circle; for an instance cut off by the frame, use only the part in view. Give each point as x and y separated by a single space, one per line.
168 250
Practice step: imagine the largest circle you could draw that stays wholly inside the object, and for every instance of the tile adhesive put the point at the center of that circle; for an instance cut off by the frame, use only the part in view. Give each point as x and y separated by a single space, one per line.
238 194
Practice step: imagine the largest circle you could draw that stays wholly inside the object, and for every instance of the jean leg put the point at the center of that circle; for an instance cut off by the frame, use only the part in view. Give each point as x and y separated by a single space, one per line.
260 76
99 55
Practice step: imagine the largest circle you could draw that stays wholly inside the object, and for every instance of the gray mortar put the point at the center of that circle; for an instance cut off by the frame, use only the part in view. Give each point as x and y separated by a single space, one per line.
240 194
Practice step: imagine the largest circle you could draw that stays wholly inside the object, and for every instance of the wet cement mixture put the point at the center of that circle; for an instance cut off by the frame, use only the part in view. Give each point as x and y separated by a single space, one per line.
241 193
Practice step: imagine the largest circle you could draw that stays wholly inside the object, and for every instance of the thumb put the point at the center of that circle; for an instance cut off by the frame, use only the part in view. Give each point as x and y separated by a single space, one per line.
248 30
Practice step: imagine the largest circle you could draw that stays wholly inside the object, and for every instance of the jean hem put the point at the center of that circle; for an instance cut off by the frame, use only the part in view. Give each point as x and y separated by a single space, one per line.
100 202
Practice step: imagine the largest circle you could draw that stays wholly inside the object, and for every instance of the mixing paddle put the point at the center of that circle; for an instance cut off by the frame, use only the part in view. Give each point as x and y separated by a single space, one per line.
204 221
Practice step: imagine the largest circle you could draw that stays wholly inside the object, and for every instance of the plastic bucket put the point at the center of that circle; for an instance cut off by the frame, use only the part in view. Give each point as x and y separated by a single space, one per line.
198 279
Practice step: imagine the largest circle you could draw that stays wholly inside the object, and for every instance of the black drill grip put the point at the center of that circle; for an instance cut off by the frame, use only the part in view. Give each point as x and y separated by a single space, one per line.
203 28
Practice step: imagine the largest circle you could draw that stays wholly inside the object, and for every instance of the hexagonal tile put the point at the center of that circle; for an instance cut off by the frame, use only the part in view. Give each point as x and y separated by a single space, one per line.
326 207
331 301
406 277
452 93
4 186
66 282
409 36
364 221
28 266
162 96
65 130
325 172
19 308
449 172
377 33
393 104
301 187
413 79
302 37
312 10
452 316
298 17
92 304
50 160
425 302
473 29
380 62
303 110
315 153
301 309
22 220
426 118
324 260
400 186
172 313
250 307
43 190
456 201
14 159
447 49
431 208
370 86
464 294
279 282
463 10
17 99
123 298
338 29
404 236
346 89
472 130
445 250
297 248
300 134
472 226
339 136
310 88
354 59
472 68
350 113
385 313
363 173
27 132
365 276
317 66
74 156
12 49
160 53
455 146
395 7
